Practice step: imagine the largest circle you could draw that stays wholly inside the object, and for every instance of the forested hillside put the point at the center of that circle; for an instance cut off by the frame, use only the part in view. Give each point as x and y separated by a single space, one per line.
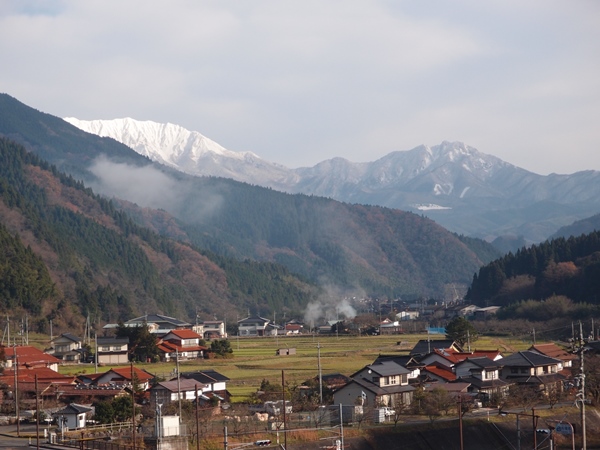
560 267
366 249
66 253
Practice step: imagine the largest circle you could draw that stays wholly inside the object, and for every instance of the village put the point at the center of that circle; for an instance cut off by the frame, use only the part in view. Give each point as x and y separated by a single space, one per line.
436 373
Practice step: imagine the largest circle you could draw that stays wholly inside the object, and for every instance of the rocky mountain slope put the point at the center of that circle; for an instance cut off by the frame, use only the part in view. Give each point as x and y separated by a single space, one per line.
456 185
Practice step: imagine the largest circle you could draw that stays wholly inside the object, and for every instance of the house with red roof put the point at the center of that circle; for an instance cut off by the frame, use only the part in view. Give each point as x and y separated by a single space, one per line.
183 344
123 376
437 372
554 351
28 356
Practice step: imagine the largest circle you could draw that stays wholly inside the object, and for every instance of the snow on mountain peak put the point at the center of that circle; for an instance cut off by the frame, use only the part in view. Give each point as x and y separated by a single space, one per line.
166 143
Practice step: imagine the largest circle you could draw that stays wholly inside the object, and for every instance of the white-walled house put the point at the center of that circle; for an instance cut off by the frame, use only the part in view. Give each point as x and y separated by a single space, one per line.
253 326
72 417
214 382
112 350
484 376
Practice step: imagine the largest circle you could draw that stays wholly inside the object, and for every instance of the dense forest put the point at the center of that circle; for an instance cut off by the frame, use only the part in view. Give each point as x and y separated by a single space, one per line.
66 253
365 249
561 267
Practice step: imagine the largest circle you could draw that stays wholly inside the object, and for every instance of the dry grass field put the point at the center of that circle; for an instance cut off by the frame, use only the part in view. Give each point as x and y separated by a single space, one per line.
254 359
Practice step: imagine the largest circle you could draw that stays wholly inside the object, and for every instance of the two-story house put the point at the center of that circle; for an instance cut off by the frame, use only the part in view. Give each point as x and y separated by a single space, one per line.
253 326
483 374
112 350
67 348
215 384
380 384
183 344
214 329
554 351
532 369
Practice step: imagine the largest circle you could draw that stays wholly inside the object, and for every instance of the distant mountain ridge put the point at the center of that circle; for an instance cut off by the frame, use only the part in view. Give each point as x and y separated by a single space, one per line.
354 249
465 190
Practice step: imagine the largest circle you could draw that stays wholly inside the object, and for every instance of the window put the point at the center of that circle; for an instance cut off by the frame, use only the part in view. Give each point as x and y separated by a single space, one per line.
394 379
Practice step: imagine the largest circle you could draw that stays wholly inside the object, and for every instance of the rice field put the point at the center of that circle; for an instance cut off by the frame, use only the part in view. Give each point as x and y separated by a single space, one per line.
254 359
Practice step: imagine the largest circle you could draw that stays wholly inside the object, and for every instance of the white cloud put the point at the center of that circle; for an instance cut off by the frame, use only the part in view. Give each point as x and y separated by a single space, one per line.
298 82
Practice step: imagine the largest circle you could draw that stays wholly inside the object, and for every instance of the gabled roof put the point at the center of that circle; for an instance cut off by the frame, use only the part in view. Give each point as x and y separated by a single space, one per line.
29 356
44 374
184 333
68 336
252 320
378 390
554 351
205 376
440 371
483 362
384 369
403 360
528 359
425 346
73 409
185 384
125 373
158 318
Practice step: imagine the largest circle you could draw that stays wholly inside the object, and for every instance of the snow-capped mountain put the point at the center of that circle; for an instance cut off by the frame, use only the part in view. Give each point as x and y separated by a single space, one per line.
461 188
184 150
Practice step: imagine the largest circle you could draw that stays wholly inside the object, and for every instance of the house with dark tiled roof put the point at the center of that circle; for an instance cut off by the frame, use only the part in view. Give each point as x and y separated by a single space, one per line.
67 348
72 417
215 383
166 392
253 326
381 384
426 346
156 323
528 368
451 357
406 361
483 374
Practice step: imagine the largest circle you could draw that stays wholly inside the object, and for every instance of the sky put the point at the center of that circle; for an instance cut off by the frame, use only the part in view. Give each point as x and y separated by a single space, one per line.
298 82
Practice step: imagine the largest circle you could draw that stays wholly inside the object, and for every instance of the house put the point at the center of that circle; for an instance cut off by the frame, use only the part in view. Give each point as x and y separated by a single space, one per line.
459 311
253 326
528 368
380 384
437 372
450 357
166 392
406 361
112 350
124 376
554 351
483 374
215 384
293 328
214 329
72 417
67 348
426 346
389 327
29 357
183 344
156 323
407 315
484 313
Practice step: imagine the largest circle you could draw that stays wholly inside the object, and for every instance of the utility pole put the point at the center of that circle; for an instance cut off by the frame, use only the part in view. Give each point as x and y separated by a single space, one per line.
132 406
284 409
178 384
320 374
580 397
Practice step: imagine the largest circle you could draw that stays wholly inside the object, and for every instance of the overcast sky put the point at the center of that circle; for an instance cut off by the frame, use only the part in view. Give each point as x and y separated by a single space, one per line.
297 82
